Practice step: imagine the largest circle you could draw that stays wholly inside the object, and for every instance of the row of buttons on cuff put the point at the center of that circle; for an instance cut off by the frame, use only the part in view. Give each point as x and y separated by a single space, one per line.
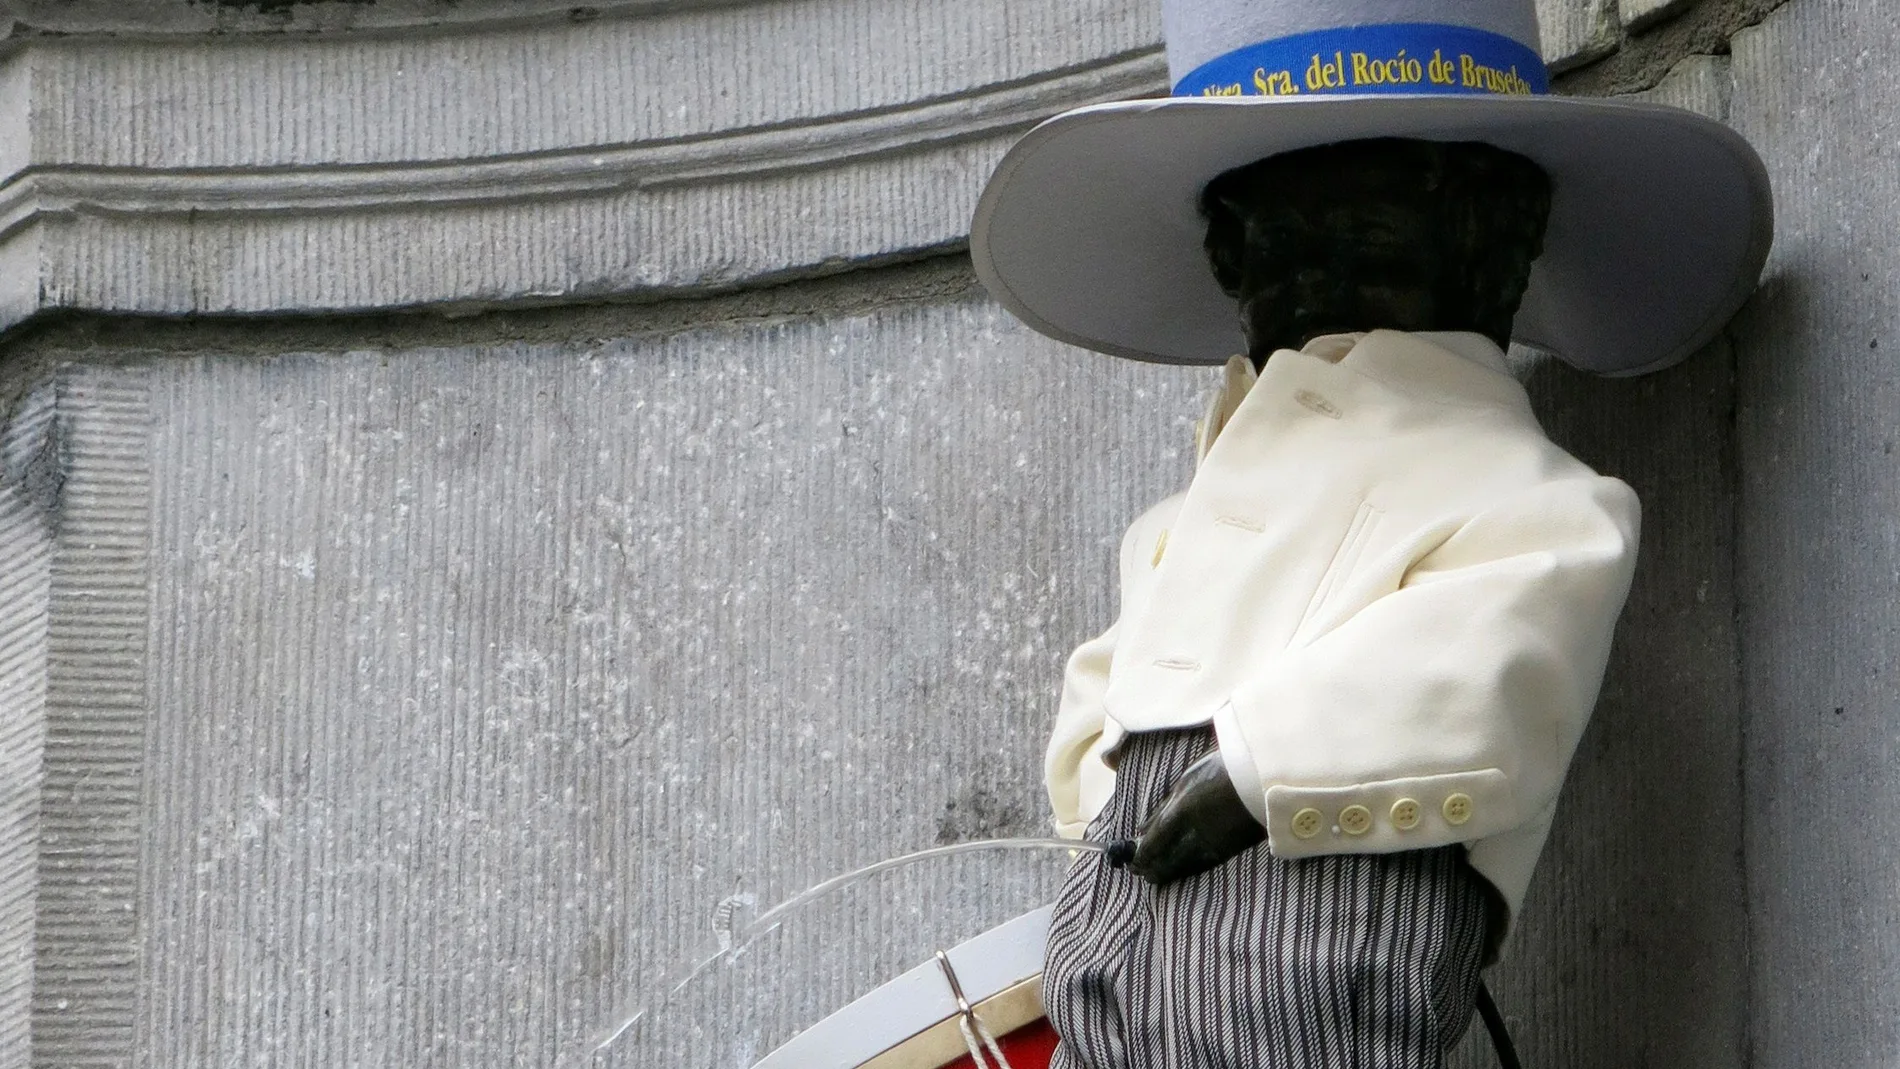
1357 819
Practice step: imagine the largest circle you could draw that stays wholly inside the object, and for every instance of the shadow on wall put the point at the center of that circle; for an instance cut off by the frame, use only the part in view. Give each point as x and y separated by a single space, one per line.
1632 950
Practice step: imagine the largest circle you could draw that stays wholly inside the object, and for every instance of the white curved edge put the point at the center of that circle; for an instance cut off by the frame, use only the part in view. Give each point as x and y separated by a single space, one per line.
1750 167
986 966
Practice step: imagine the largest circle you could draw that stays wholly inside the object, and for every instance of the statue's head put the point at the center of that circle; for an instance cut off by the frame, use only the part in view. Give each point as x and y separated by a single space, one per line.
1378 234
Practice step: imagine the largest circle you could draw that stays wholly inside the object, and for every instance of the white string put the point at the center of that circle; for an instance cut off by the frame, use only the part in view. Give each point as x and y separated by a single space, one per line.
964 1022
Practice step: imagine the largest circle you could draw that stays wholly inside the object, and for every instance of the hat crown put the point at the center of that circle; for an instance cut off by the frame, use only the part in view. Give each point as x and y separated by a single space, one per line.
1200 31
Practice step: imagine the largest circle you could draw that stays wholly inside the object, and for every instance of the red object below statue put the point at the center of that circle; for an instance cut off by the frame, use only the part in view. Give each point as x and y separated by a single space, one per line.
922 1019
1028 1047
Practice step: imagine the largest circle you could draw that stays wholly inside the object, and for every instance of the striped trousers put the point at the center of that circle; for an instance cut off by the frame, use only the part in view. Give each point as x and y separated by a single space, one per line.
1365 961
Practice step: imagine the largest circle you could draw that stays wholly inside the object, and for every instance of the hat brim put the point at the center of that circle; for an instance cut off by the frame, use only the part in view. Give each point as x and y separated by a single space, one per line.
1661 219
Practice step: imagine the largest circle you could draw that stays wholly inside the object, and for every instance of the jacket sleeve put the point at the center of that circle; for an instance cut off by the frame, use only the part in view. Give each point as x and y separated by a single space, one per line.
1447 710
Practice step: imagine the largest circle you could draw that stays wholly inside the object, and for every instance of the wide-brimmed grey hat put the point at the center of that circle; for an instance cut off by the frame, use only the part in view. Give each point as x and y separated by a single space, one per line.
1090 229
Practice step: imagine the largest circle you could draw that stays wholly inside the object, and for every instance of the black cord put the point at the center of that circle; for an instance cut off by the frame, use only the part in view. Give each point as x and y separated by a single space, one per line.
1494 1023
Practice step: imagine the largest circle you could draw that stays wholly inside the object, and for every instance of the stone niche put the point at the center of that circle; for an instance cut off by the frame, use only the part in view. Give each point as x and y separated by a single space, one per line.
497 495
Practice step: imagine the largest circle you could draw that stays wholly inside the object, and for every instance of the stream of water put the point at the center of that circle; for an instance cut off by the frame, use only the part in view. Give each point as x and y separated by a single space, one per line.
733 943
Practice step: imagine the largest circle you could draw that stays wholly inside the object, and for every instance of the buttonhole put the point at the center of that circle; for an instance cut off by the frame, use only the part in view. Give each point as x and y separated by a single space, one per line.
1177 663
1318 404
1242 523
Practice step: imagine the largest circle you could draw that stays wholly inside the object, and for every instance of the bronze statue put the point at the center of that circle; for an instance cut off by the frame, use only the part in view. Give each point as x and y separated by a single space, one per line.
1329 730
1383 233
1390 233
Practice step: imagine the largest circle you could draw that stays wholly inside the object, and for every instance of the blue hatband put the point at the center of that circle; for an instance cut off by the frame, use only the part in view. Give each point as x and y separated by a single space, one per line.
1393 58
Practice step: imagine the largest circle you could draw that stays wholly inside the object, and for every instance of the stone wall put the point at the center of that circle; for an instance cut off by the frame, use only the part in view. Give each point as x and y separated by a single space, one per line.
495 494
1818 538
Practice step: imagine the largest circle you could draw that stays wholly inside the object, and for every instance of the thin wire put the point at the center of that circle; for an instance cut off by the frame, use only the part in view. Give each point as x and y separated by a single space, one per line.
769 921
1494 1023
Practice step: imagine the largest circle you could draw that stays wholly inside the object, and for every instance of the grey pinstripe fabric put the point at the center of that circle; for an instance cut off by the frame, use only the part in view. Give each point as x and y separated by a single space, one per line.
1339 962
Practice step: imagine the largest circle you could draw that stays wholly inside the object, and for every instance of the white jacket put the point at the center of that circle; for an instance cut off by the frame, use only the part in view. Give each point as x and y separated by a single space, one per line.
1388 590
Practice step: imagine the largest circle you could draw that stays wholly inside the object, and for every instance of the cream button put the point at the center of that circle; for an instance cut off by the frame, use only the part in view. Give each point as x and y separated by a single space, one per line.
1458 808
1355 820
1307 822
1161 546
1405 814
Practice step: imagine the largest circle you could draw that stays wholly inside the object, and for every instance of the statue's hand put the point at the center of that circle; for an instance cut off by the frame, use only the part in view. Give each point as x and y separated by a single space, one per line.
1199 825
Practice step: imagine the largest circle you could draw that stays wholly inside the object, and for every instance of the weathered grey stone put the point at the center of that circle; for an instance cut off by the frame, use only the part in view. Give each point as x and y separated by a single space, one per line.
1820 539
1699 83
93 821
1577 31
667 76
483 675
667 149
1639 14
180 19
25 558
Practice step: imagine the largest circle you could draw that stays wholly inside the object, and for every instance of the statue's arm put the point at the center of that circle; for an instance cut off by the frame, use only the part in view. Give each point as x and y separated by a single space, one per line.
1464 691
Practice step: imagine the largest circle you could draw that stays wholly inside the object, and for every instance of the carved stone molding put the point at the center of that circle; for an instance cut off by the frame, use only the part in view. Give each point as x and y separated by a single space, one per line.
668 150
646 148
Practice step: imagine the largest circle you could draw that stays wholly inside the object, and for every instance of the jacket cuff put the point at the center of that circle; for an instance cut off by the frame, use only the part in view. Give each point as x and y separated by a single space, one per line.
1387 816
1239 761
